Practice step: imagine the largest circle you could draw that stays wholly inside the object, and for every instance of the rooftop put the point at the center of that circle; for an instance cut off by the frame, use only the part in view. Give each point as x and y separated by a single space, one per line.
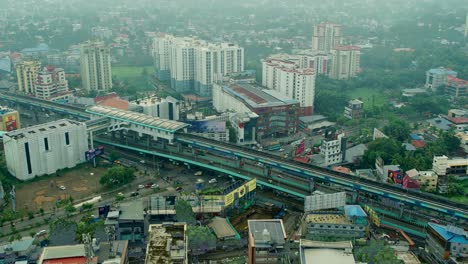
75 252
137 118
312 118
339 219
132 211
222 228
442 70
18 245
166 242
450 233
256 96
267 232
354 210
347 48
326 252
5 110
42 128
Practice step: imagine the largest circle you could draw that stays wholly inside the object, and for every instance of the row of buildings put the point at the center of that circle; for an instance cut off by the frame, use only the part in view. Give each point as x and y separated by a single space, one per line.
193 65
447 79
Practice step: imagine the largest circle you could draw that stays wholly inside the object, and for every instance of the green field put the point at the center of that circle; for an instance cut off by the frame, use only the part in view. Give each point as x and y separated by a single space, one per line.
130 72
366 94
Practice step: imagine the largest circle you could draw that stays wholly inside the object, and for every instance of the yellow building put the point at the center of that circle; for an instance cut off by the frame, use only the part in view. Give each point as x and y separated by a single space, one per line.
10 119
26 73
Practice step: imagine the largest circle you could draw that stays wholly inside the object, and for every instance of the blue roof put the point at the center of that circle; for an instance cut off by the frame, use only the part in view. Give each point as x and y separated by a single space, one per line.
450 237
415 137
354 210
442 70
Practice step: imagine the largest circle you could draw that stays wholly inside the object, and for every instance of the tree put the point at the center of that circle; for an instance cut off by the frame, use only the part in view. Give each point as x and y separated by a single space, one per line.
386 148
397 129
32 234
113 156
454 186
117 176
200 239
377 253
184 212
70 208
232 133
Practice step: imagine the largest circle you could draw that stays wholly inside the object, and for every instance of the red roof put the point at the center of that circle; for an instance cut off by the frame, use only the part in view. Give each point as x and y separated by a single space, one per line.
453 79
418 143
105 97
115 102
341 169
74 260
458 120
409 183
302 159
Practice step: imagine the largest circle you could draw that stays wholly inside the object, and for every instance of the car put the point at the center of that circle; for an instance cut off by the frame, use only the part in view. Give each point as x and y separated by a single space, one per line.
141 186
148 185
155 186
198 173
61 187
179 189
281 149
212 181
260 164
133 194
42 232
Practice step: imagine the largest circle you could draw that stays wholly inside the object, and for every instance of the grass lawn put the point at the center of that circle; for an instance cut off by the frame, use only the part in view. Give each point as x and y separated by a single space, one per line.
365 95
130 72
460 199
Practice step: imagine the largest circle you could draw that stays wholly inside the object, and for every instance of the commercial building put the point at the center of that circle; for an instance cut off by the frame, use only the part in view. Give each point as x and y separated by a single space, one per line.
277 114
167 244
165 108
354 109
128 221
333 149
64 254
96 73
50 83
244 124
446 244
345 62
318 252
267 240
349 224
443 166
286 77
9 119
456 87
438 77
44 149
193 65
326 37
162 208
26 73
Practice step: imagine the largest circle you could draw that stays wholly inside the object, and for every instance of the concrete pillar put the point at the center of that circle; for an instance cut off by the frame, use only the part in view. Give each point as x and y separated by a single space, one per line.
311 185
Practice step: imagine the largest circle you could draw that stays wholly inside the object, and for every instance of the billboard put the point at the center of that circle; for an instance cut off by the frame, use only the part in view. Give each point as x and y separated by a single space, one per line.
93 153
206 126
240 192
324 201
10 121
300 148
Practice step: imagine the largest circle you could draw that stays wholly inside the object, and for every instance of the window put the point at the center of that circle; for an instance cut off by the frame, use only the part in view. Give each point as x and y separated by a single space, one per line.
28 157
46 144
67 139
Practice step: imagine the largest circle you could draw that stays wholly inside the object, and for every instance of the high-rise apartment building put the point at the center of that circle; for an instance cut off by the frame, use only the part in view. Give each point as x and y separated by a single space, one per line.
284 75
96 73
26 73
193 65
326 36
345 62
50 83
466 26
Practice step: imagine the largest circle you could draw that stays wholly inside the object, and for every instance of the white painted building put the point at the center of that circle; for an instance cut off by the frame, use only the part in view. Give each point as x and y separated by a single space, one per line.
95 61
345 62
165 108
50 83
44 149
442 165
332 150
285 75
326 36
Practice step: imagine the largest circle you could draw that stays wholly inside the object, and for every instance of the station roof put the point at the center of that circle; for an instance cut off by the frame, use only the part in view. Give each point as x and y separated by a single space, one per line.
137 118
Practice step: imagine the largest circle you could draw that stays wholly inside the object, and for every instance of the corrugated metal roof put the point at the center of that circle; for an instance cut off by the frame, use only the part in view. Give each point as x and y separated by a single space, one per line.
64 252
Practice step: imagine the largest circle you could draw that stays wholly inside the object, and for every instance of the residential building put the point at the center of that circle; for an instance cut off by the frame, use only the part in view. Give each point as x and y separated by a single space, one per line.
44 149
9 119
64 254
463 136
326 37
320 61
277 114
333 149
267 241
443 166
354 110
318 252
128 221
167 243
438 77
286 77
456 87
457 113
466 26
445 244
50 83
193 65
96 72
17 250
165 108
426 179
345 62
349 224
26 73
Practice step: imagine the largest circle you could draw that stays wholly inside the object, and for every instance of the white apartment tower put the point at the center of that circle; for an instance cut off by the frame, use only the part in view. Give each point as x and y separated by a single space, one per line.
26 73
326 36
96 73
50 82
289 79
44 149
345 62
194 65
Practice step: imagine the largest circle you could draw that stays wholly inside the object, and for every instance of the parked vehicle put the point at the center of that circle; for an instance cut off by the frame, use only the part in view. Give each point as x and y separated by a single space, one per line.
179 189
198 173
133 194
141 186
154 186
148 185
212 181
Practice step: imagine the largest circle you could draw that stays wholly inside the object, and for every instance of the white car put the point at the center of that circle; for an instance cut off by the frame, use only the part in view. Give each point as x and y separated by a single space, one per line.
141 186
281 149
155 186
61 187
212 181
42 232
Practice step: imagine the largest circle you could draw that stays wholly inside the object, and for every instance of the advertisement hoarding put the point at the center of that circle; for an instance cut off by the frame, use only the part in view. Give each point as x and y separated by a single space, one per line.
207 126
324 201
